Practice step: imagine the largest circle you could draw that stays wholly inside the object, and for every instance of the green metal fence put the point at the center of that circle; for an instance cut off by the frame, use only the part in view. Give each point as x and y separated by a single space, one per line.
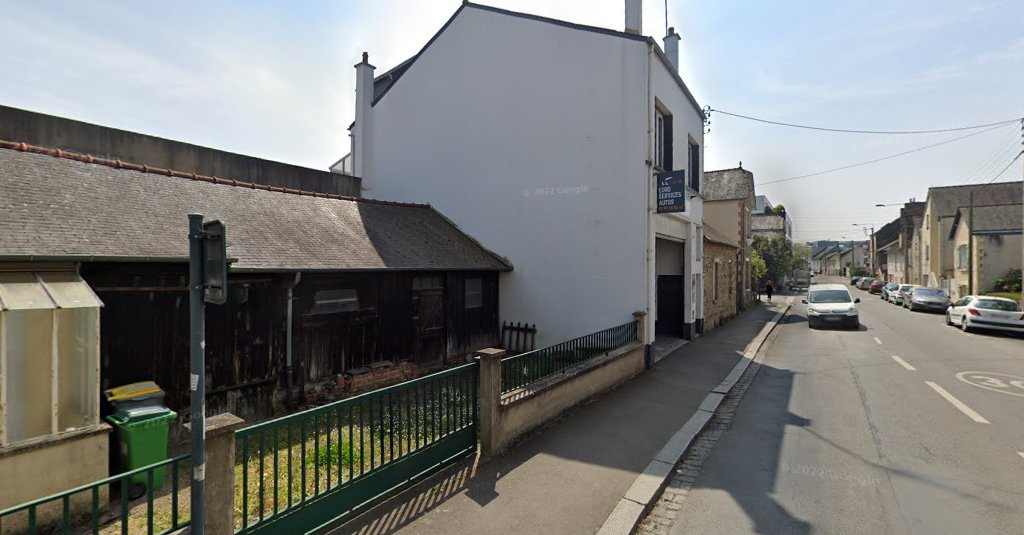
520 370
106 506
310 468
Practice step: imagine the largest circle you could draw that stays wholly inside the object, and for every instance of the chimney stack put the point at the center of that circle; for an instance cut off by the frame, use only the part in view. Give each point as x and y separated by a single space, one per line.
634 17
672 48
363 124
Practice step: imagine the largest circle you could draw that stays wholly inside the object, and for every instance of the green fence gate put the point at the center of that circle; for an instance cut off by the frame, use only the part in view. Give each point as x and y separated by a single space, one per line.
305 472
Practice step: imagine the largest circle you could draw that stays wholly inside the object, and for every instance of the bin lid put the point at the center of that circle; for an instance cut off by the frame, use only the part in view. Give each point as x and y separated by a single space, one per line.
138 390
138 414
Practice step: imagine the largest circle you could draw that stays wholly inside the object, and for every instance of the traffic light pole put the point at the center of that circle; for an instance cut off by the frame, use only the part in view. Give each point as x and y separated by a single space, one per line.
197 368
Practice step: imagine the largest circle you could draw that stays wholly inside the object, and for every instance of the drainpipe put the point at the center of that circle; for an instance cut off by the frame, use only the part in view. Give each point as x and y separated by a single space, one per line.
288 343
650 275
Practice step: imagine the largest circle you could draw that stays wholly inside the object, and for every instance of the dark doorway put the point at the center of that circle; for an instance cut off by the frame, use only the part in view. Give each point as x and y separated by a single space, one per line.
670 306
428 300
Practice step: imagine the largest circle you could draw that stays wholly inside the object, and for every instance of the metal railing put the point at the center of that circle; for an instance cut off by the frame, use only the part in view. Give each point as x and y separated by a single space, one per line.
92 508
520 370
287 463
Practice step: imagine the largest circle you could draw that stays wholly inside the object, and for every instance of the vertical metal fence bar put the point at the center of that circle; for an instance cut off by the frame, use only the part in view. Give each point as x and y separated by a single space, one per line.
259 436
95 510
149 501
373 426
316 454
302 459
362 441
289 463
408 420
391 426
351 447
380 406
125 485
32 520
174 495
66 505
277 461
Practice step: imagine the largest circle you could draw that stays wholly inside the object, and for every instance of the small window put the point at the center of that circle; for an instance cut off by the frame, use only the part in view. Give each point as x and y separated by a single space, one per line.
426 283
663 140
694 166
474 293
331 301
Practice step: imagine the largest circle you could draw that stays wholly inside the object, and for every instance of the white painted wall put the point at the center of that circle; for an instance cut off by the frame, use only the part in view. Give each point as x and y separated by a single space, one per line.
531 137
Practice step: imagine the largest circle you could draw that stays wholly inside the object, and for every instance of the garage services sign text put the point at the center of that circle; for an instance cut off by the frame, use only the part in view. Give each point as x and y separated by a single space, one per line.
671 191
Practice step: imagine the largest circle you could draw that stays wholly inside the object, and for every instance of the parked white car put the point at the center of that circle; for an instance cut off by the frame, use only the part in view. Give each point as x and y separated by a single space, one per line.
896 297
986 312
831 304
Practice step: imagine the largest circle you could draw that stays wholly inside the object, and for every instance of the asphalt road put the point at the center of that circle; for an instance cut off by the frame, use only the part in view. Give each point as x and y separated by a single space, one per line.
904 426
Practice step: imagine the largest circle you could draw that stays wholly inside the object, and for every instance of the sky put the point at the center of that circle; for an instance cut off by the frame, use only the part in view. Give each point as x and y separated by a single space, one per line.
275 80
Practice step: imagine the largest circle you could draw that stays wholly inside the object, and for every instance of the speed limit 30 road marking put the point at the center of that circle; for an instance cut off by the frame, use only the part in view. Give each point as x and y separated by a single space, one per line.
997 382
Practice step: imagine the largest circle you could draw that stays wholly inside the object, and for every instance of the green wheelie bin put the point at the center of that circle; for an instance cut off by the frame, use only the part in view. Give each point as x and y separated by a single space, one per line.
142 438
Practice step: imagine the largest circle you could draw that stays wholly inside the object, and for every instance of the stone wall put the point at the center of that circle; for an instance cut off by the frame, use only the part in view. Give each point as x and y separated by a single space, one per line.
719 305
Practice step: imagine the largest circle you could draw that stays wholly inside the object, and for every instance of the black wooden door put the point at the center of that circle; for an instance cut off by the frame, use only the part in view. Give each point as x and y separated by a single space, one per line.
429 324
670 305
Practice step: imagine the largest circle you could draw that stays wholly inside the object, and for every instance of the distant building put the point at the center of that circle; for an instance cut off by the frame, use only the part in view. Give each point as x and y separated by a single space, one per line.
936 238
728 207
767 222
722 262
996 246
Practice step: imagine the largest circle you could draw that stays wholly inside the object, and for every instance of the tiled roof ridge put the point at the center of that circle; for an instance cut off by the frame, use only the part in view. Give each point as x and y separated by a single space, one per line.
118 164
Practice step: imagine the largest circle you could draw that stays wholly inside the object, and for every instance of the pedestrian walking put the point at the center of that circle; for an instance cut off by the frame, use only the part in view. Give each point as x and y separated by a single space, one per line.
768 289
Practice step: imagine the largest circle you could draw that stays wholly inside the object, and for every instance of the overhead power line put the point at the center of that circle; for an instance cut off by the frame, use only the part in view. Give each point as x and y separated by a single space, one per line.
1005 168
876 160
855 131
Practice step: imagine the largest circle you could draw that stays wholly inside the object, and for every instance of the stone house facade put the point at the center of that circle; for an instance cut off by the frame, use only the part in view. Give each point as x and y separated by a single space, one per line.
722 263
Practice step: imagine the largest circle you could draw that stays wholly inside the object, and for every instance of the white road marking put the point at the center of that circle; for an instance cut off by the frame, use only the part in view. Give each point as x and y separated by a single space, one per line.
903 363
957 403
877 340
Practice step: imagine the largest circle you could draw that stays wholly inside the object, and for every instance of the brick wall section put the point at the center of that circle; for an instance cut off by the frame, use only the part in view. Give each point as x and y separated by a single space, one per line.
385 374
719 308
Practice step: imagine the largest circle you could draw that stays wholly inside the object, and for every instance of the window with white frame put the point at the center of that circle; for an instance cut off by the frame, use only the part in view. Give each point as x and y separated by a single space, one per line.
961 257
49 354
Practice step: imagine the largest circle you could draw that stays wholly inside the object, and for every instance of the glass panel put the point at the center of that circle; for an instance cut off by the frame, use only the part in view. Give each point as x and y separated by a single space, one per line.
474 293
77 361
69 290
329 301
426 283
20 290
29 335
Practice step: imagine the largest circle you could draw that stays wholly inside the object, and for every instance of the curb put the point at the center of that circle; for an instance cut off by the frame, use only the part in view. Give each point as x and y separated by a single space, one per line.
647 487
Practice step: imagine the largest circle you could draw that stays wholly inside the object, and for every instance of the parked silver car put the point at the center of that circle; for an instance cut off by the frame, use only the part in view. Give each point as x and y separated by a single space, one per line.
930 299
985 312
896 297
865 282
888 289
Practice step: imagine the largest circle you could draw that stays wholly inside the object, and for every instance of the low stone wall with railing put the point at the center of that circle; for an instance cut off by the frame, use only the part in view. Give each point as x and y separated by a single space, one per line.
524 392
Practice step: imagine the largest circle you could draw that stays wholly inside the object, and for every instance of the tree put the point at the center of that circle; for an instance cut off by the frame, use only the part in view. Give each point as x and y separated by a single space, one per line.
777 254
801 257
779 209
757 268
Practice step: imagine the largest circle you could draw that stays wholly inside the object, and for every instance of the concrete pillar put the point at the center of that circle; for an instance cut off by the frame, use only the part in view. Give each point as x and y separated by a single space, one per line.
489 394
640 318
220 473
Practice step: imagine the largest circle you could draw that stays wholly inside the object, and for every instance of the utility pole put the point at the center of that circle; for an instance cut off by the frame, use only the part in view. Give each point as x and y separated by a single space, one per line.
970 244
197 367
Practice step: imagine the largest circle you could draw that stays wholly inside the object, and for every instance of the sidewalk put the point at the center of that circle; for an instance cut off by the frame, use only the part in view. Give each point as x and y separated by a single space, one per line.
569 478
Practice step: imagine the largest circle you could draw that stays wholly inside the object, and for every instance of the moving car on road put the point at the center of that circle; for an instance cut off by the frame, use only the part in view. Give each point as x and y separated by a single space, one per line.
876 286
831 304
888 288
930 299
985 312
897 296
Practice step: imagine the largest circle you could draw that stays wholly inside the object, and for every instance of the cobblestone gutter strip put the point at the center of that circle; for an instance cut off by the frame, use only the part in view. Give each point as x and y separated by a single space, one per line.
662 472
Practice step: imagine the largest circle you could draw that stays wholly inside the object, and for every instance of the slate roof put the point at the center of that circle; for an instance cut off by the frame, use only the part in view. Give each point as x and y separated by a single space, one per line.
56 206
712 234
947 200
727 184
1000 219
889 233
